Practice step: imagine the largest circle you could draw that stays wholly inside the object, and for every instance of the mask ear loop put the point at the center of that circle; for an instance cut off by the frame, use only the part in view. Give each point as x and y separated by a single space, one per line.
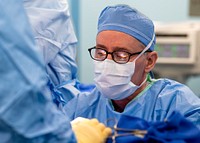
146 48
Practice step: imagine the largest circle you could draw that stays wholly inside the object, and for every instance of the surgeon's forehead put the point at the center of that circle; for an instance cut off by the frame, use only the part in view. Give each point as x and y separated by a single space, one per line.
116 39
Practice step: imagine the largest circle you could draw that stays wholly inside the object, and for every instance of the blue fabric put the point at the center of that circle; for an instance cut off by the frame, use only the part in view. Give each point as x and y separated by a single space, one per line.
56 40
55 37
85 87
27 114
157 102
128 20
175 129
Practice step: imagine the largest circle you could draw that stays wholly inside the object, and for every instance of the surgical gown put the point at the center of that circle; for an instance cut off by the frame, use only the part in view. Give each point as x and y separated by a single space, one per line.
157 102
27 114
55 38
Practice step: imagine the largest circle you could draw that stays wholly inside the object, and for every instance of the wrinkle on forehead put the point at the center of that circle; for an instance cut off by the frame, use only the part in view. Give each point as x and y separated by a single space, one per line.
115 39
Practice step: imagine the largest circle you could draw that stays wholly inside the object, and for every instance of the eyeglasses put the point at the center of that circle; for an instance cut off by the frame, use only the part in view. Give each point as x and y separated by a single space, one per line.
120 57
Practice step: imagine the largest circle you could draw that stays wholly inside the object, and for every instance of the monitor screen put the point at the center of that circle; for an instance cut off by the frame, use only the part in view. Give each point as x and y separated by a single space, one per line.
172 50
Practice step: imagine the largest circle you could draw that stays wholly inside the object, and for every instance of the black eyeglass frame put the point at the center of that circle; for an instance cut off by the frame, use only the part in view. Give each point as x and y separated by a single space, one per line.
111 53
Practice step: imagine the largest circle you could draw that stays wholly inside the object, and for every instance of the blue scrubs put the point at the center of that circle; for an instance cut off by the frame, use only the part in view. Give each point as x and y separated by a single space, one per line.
156 103
27 113
55 38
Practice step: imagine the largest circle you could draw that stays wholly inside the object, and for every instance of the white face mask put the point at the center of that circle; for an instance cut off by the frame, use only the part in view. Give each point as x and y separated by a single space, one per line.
113 80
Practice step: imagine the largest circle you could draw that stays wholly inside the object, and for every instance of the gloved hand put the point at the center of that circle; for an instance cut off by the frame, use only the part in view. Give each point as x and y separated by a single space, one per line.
90 130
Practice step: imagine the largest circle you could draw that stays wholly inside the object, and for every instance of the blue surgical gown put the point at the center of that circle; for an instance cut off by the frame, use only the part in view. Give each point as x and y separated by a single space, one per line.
27 114
55 38
155 103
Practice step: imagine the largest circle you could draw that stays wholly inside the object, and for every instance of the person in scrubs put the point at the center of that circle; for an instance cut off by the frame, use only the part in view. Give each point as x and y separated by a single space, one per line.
123 58
55 38
27 113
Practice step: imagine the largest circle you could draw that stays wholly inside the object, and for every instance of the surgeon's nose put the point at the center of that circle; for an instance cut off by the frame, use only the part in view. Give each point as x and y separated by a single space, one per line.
109 57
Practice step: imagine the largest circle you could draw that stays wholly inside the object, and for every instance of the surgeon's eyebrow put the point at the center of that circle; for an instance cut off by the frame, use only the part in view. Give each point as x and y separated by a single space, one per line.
115 48
100 46
121 49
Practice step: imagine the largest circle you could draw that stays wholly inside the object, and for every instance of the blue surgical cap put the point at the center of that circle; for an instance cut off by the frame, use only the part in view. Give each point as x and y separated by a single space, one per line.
128 20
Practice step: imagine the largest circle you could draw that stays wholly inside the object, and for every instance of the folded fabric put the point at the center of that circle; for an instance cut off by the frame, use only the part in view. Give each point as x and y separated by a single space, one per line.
175 129
55 38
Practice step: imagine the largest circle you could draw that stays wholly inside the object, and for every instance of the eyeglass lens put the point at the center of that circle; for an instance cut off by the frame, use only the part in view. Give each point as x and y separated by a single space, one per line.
118 56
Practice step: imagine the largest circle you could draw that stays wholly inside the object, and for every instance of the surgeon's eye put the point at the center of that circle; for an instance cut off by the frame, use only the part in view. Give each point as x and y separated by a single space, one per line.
100 54
121 56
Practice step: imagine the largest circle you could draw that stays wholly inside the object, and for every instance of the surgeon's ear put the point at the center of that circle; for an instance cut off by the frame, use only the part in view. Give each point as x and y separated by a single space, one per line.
151 61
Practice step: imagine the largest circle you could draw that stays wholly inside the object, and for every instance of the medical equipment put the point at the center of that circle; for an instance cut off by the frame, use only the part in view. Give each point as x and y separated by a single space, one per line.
178 50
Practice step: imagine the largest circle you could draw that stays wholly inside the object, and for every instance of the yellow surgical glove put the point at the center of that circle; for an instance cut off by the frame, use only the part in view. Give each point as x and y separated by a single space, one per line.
90 130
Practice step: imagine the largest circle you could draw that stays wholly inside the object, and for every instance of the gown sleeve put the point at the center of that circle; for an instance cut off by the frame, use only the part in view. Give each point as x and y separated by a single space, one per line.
27 113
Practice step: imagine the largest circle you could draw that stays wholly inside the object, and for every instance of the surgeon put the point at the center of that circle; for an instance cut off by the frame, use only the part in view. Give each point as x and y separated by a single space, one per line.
123 58
27 113
55 38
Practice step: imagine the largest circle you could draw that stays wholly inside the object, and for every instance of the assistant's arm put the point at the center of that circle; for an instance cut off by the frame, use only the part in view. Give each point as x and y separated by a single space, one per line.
26 111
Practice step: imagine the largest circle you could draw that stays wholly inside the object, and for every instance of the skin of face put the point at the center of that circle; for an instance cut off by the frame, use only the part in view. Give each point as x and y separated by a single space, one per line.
115 40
